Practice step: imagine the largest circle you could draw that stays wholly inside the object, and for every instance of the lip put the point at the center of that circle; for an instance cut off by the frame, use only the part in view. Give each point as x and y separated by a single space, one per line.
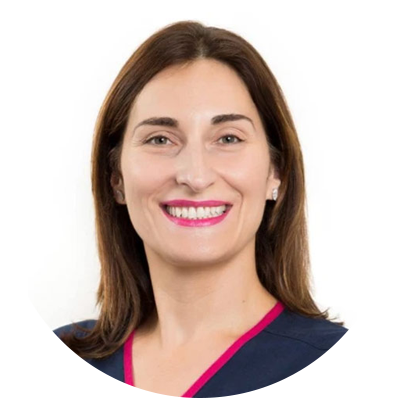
196 222
190 203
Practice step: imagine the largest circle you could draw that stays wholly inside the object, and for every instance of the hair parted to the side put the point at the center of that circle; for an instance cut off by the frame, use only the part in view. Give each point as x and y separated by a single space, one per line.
125 294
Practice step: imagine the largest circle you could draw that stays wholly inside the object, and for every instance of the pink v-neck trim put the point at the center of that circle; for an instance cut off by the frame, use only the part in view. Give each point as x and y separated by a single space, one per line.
219 363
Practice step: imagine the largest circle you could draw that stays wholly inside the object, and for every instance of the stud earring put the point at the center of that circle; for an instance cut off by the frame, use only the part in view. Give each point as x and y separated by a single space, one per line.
120 195
275 194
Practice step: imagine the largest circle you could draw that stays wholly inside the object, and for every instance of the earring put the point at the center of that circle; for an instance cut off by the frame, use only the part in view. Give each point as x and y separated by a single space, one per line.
121 195
275 194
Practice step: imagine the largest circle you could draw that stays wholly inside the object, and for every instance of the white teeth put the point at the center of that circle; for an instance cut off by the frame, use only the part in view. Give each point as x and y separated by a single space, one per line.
196 213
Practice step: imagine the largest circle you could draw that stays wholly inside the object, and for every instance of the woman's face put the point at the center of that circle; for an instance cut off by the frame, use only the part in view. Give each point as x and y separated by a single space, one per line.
194 160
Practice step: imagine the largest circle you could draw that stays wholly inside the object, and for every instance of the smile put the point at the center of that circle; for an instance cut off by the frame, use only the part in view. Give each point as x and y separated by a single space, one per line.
196 217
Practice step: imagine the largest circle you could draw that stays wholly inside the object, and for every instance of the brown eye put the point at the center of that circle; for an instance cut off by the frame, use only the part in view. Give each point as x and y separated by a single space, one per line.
232 136
155 137
164 138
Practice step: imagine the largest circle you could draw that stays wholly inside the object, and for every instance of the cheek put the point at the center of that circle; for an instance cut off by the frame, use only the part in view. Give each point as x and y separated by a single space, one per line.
249 171
141 175
141 190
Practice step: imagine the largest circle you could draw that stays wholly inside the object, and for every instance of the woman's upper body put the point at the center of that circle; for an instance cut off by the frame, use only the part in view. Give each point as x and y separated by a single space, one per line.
192 144
279 345
195 117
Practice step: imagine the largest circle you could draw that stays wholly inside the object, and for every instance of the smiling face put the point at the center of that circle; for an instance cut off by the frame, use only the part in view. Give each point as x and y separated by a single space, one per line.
198 157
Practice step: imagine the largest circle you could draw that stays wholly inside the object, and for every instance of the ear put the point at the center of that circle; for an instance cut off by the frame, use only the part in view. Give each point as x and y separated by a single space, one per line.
273 181
117 184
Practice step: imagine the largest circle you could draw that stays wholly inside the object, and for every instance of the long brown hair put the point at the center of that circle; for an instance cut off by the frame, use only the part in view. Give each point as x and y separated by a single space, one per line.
125 294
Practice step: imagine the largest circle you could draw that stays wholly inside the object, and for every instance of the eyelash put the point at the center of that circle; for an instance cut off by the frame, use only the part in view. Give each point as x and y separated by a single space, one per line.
160 136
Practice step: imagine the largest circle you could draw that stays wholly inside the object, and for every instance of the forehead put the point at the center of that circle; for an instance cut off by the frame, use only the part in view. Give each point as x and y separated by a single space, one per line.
203 88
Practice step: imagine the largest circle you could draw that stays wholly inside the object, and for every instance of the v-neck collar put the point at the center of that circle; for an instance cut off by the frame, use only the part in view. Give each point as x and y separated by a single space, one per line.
270 316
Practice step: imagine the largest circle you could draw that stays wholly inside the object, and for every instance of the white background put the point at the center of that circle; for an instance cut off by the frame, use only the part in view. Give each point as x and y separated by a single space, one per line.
337 63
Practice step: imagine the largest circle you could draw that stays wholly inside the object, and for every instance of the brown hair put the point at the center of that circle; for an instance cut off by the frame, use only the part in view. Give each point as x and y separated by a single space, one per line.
125 293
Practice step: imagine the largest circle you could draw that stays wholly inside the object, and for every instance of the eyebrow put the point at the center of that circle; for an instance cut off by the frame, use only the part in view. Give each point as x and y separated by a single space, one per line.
173 123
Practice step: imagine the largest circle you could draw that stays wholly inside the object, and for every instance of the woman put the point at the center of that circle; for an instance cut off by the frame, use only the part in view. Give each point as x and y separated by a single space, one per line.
198 181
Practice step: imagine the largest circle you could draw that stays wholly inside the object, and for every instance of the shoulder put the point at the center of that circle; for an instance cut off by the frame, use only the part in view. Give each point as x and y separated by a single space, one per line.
304 340
318 333
50 343
52 337
86 324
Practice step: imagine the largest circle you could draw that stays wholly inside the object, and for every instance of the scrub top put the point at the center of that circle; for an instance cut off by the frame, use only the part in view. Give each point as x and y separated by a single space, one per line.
279 345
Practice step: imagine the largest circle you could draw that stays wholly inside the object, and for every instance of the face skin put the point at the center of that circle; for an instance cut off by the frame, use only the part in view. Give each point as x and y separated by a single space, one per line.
202 268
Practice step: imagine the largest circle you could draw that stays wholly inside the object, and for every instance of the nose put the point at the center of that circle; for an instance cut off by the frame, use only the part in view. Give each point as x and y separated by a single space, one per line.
194 167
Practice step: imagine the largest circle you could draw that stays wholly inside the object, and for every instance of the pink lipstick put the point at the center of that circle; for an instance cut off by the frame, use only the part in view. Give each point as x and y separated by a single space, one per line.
197 222
190 203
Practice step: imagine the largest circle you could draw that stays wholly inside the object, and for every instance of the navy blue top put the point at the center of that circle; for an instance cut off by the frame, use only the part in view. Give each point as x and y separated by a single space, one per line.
280 345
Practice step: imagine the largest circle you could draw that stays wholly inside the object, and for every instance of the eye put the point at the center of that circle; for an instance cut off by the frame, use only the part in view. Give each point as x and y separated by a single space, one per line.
164 137
232 136
155 137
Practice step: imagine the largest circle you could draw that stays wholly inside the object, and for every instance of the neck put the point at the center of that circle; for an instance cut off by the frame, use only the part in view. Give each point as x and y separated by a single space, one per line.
197 304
